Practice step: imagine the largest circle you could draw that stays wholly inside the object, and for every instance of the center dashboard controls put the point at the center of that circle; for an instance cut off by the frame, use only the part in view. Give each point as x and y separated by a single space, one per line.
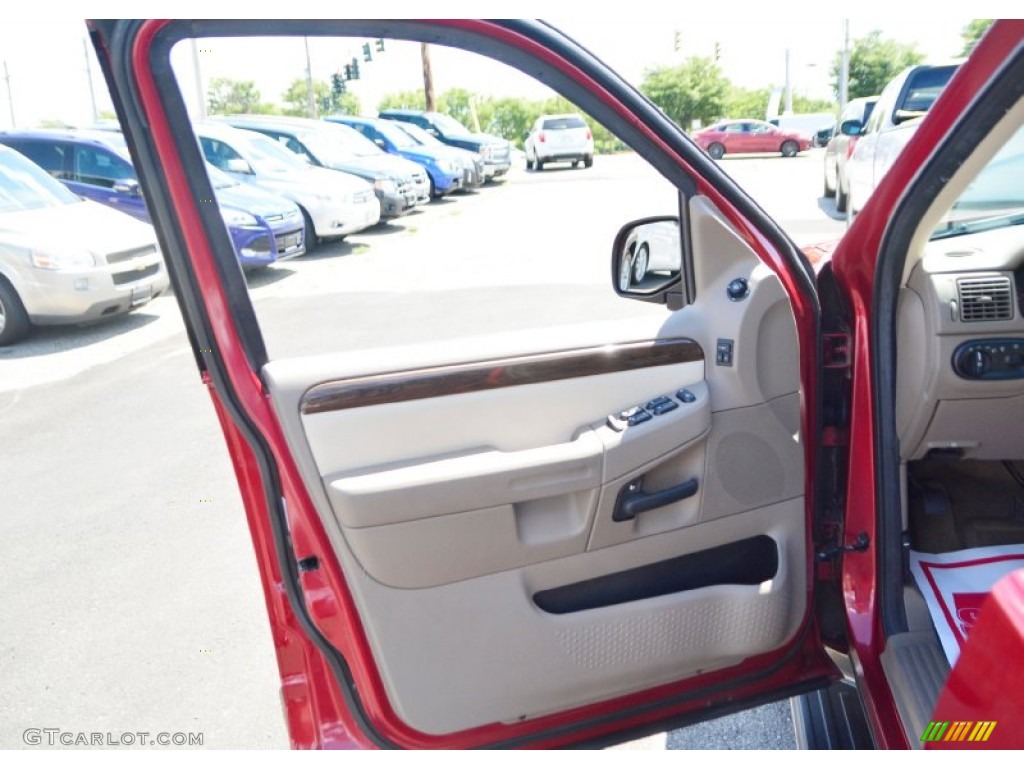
638 414
990 359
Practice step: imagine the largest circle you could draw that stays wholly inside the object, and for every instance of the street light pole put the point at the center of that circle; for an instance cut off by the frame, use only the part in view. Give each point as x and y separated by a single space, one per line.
309 82
200 94
789 88
88 74
844 67
10 98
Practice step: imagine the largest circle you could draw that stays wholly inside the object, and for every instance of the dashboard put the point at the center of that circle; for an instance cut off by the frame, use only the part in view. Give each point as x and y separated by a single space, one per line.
960 348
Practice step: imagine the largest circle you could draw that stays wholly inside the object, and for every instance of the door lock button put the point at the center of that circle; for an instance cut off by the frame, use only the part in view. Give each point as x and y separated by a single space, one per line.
665 407
686 396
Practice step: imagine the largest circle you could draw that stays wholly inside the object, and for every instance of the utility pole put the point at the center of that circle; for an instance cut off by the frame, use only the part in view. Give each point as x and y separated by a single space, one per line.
789 89
200 93
10 98
88 74
844 67
311 102
428 79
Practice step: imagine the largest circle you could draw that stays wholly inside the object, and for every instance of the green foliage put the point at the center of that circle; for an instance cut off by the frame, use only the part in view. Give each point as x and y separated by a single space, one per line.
297 104
802 105
746 103
972 32
695 90
236 97
874 61
403 100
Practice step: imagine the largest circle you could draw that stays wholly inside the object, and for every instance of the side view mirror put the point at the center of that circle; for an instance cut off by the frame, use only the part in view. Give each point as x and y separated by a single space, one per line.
127 187
903 115
434 132
237 165
851 128
380 143
647 259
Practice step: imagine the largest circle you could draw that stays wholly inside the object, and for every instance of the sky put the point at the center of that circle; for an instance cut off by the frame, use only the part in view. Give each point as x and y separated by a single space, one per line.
49 66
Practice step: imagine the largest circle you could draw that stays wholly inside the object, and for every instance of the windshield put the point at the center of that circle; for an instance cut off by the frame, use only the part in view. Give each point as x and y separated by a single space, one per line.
25 186
420 136
994 199
267 156
450 126
336 147
395 135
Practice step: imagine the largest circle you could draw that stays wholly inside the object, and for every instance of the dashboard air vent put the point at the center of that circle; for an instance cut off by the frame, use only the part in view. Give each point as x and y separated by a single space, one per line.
985 298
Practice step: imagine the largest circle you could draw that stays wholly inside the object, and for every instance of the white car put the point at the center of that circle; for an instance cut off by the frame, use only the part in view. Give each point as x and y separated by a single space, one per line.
893 122
64 259
559 138
333 203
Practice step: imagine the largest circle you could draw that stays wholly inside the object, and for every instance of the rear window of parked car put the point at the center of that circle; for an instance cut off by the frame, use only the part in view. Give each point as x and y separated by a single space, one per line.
561 123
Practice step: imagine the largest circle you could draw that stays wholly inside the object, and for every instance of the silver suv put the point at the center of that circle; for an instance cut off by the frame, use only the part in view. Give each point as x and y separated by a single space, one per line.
64 259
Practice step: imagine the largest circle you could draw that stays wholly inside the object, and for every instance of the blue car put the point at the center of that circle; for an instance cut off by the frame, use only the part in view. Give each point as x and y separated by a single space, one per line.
444 171
96 165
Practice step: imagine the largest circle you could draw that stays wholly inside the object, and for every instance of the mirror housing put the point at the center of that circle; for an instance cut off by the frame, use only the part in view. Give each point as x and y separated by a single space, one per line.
127 187
647 260
851 128
237 165
380 143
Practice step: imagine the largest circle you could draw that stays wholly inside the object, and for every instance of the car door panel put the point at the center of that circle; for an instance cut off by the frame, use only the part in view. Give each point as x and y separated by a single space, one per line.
468 485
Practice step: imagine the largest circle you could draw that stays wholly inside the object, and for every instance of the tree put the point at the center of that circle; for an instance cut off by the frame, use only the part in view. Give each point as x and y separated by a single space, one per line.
403 100
972 32
874 61
235 97
693 91
328 102
747 103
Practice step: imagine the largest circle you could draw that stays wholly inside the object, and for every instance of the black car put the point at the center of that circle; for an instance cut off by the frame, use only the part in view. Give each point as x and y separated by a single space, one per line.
496 151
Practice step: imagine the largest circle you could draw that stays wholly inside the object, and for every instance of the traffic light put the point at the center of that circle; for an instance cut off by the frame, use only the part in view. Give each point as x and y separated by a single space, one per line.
348 71
678 42
380 45
367 56
337 85
718 51
355 68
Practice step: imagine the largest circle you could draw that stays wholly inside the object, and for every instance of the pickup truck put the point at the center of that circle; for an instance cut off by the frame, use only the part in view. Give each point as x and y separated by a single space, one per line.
496 151
903 102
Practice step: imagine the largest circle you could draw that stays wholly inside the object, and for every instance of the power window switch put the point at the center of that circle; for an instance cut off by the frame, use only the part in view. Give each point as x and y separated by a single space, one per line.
723 352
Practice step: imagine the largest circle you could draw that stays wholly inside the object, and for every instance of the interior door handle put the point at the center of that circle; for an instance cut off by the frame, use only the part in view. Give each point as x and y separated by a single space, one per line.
632 500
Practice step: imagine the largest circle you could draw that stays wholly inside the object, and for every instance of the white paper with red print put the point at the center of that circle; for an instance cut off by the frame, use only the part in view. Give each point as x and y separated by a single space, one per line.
955 584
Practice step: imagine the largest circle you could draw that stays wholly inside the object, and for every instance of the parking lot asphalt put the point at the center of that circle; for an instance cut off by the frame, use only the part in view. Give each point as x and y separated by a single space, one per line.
131 594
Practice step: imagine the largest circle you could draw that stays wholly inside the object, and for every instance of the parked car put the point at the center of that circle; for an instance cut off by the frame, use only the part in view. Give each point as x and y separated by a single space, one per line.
445 172
473 170
559 138
744 136
339 148
839 148
495 150
333 204
264 228
570 539
888 129
67 260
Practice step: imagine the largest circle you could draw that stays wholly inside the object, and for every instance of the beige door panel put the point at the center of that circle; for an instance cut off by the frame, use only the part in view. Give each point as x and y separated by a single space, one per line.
480 650
469 487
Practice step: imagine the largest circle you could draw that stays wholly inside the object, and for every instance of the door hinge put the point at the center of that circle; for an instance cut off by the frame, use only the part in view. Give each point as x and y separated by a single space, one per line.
832 551
836 350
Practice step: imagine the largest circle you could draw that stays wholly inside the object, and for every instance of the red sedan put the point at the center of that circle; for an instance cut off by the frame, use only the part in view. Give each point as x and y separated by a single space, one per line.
744 136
